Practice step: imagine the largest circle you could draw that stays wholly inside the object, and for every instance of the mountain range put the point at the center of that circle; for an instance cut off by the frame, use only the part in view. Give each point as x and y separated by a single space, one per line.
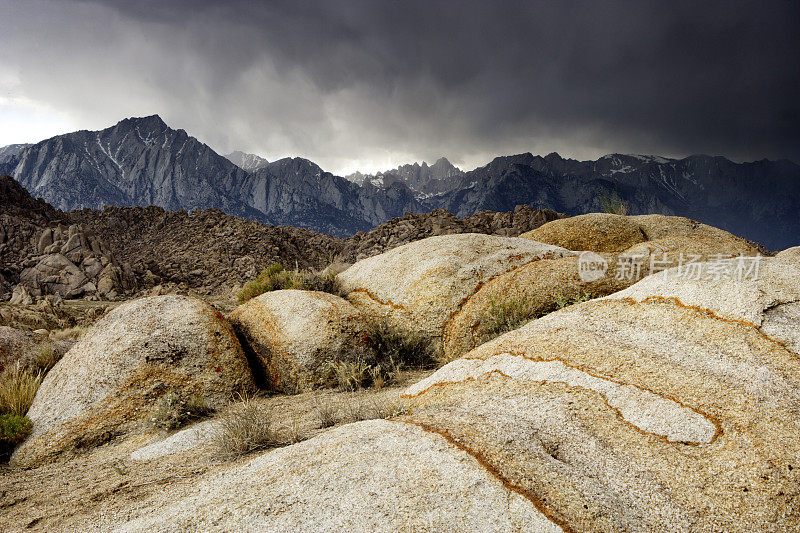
142 161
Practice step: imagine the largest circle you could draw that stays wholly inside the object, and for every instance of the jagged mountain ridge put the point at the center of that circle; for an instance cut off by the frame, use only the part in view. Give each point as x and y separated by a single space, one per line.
144 162
759 200
424 180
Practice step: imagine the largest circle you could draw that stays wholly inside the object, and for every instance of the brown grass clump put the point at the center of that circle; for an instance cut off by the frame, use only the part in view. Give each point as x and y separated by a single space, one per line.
18 387
243 429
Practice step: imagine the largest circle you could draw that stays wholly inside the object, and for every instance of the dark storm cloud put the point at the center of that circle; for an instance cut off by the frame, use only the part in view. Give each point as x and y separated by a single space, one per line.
377 81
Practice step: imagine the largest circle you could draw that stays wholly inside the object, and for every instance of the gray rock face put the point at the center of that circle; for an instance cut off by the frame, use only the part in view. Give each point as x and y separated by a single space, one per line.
72 264
248 162
424 180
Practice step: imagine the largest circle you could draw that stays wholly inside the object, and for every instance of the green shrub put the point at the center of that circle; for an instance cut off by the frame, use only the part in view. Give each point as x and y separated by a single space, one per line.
612 203
276 278
175 410
18 387
13 430
508 313
243 429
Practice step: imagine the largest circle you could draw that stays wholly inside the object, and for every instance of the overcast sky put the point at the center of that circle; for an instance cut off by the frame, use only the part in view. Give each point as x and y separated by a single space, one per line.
368 85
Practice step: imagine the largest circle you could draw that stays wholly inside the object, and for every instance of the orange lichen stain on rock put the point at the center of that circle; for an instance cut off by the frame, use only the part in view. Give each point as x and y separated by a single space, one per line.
708 313
537 502
712 419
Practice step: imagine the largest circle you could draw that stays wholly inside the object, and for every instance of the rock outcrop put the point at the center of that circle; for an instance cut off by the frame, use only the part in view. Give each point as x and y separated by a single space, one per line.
671 405
644 244
43 253
604 232
370 476
296 336
421 286
790 253
110 382
72 263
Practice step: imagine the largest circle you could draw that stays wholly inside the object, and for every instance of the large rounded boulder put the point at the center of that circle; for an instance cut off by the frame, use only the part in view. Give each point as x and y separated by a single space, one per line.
669 406
604 232
599 232
375 475
792 253
420 286
295 336
111 381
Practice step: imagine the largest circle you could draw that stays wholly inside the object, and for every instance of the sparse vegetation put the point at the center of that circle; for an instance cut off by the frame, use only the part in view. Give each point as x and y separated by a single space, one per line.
47 357
175 410
13 430
508 313
612 203
243 429
328 414
332 413
350 375
18 386
276 278
396 350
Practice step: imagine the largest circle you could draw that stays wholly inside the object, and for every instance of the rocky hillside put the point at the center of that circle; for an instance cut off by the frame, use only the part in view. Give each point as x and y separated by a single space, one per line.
211 252
142 161
205 251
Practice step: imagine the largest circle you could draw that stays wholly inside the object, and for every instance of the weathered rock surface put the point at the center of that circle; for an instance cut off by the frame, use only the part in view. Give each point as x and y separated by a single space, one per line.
420 286
604 232
296 335
44 253
599 232
790 253
543 285
370 476
113 378
671 405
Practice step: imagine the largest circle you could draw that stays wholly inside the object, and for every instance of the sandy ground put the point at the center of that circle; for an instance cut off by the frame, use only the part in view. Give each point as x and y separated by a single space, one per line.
88 492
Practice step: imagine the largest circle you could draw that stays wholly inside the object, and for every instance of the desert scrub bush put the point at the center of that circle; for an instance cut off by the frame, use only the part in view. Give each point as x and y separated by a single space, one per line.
350 375
13 430
396 350
612 203
508 313
47 357
276 278
18 386
244 428
176 410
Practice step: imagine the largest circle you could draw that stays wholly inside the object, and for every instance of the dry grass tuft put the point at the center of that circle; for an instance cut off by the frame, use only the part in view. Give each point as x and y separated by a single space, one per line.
276 278
243 429
175 410
18 387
